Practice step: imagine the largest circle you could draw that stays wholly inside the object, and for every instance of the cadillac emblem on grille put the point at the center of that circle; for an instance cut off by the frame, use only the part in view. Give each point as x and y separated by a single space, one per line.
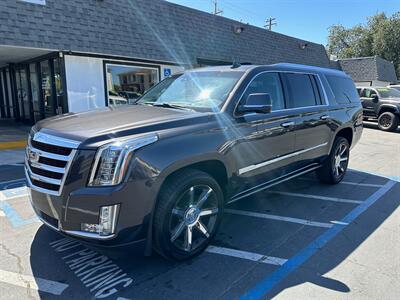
33 156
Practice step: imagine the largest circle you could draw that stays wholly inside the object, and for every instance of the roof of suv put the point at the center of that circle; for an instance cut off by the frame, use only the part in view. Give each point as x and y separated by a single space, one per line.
277 67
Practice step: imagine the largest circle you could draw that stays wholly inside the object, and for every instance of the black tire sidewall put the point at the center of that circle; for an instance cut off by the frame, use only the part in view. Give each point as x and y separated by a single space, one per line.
393 124
169 199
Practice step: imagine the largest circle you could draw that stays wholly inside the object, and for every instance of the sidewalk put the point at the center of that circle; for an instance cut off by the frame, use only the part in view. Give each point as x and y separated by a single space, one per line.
13 138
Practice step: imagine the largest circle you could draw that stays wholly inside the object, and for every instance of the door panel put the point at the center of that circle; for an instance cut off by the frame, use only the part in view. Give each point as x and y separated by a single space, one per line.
368 102
263 156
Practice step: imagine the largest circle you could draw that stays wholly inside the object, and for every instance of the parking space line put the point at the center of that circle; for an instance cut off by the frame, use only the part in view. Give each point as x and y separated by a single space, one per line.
247 255
269 282
27 281
278 218
316 197
347 182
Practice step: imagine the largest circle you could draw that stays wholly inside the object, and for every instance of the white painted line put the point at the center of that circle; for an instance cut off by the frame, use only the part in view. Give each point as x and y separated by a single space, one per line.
247 255
348 183
316 197
14 193
278 218
12 181
27 281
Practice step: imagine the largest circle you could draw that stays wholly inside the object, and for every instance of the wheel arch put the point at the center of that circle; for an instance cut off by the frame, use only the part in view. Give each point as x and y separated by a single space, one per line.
346 133
388 108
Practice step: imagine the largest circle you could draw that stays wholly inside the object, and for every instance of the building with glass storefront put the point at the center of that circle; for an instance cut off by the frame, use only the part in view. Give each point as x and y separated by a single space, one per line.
72 56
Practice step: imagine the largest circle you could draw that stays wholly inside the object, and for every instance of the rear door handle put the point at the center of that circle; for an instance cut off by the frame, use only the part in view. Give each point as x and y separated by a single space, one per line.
287 124
324 117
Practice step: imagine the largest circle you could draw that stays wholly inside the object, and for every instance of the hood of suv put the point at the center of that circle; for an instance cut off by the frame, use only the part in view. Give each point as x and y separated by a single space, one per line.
108 123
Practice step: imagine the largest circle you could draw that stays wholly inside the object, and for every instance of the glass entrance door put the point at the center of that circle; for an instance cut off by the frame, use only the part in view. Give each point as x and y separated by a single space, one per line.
23 99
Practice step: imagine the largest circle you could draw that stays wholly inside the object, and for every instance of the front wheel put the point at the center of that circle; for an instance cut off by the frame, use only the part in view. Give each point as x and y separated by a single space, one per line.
186 218
335 166
388 121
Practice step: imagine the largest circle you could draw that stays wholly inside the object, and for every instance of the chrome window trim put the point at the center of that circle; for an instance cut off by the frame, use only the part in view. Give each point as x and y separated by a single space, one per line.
275 160
325 96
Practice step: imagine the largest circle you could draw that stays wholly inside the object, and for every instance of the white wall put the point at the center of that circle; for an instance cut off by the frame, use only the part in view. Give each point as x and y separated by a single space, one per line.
85 83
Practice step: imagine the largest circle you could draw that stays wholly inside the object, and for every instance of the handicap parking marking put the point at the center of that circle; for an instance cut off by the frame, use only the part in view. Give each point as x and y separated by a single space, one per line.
13 193
268 283
12 215
96 272
324 198
30 282
246 255
278 218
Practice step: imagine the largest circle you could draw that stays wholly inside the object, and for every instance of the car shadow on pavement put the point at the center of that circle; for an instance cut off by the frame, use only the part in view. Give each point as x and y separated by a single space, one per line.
56 258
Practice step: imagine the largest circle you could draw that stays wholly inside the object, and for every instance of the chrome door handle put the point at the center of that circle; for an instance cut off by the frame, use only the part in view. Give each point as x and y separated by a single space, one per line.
287 124
324 117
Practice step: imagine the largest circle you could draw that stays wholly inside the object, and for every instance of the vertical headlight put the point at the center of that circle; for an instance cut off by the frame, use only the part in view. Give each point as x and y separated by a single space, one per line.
112 160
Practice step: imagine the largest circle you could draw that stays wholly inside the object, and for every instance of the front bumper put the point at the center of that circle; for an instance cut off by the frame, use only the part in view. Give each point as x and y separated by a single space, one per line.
78 205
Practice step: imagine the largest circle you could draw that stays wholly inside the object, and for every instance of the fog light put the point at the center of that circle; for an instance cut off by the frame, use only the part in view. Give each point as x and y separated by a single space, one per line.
107 221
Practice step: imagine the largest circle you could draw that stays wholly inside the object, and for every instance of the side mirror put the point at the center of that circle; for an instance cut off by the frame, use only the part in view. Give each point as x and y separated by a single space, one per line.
256 103
375 97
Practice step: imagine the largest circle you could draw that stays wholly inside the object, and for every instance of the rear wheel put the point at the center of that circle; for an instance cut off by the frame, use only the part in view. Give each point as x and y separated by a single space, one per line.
187 216
388 121
335 166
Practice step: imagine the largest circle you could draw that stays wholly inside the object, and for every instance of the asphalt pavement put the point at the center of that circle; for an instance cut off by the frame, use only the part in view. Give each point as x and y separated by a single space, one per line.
298 240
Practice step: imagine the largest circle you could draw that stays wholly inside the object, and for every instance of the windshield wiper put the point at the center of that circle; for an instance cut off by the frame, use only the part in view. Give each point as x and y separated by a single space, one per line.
171 105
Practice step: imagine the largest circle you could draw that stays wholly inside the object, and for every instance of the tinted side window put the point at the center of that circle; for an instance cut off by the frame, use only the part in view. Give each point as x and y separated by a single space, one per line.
300 90
343 89
268 83
368 93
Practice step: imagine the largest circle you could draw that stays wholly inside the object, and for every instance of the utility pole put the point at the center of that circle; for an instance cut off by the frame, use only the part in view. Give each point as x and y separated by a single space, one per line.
269 23
217 11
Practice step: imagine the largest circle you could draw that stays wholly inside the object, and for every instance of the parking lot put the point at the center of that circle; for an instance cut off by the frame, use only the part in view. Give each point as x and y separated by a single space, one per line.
301 239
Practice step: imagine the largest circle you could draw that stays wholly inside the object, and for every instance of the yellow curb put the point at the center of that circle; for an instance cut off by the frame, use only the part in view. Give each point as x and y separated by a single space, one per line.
13 145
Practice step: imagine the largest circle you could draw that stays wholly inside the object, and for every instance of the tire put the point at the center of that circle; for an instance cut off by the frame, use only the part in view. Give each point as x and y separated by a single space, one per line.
190 207
335 166
388 121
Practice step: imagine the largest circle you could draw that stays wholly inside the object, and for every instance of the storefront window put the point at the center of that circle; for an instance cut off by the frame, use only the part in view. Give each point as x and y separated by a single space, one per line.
125 83
46 88
35 92
58 83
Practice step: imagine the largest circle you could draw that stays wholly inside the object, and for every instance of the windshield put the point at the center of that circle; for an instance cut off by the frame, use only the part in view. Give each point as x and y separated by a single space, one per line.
388 93
205 90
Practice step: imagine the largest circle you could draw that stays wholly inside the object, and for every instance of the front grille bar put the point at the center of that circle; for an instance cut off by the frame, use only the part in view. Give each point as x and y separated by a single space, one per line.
33 156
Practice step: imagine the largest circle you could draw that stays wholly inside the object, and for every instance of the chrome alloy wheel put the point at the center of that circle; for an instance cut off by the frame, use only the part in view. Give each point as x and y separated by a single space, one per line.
341 159
193 218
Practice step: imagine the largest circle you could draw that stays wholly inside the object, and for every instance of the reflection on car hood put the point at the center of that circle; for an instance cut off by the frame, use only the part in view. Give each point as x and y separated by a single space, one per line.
108 123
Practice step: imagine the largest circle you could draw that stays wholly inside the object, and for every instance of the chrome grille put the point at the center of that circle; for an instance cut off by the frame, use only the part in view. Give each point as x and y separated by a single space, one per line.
47 162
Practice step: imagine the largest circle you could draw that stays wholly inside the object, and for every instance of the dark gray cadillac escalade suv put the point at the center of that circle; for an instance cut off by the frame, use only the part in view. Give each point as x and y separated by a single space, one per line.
162 170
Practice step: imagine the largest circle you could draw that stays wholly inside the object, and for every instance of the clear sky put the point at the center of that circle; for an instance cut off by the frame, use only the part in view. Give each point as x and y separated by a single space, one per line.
305 19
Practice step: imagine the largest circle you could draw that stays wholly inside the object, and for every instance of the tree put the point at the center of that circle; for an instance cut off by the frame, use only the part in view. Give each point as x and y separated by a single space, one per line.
379 36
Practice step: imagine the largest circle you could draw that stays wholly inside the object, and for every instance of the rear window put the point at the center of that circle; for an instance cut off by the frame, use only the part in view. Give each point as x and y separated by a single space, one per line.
301 90
343 89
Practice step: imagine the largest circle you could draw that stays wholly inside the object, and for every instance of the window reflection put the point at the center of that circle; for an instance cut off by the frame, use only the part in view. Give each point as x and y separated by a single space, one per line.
125 84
